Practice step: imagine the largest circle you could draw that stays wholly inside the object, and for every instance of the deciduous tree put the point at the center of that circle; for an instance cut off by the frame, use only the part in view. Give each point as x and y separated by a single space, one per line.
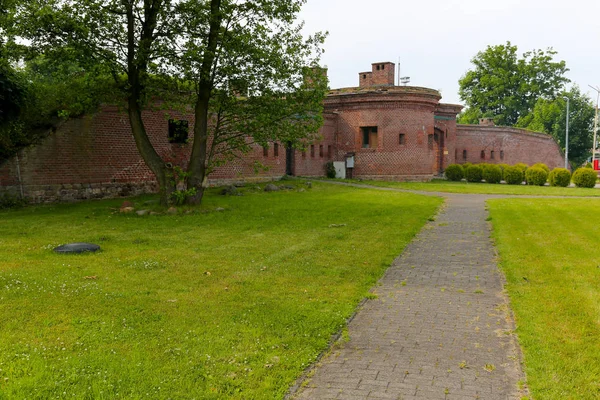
506 87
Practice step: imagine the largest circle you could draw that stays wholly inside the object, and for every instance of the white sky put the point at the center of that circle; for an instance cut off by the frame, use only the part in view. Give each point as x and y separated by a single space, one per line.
436 39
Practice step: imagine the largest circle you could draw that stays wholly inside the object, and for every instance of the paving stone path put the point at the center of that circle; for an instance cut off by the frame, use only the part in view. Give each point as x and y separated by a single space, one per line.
440 327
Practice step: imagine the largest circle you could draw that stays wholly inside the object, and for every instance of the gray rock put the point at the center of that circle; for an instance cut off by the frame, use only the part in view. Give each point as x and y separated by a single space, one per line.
127 209
220 209
142 212
287 187
309 184
229 191
271 188
77 248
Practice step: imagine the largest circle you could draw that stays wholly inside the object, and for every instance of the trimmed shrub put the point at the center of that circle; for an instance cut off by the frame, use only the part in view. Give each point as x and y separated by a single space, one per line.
466 165
503 166
455 172
588 165
474 173
585 178
330 170
536 176
513 175
559 177
522 166
492 173
542 166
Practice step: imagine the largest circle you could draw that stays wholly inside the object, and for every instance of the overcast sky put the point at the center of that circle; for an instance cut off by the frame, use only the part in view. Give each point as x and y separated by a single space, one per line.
436 39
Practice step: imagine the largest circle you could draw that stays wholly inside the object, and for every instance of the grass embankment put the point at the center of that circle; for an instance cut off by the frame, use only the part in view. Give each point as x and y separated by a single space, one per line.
440 185
209 305
549 252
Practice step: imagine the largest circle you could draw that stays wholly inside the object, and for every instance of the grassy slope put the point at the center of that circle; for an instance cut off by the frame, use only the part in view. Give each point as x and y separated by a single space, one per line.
213 305
549 252
484 188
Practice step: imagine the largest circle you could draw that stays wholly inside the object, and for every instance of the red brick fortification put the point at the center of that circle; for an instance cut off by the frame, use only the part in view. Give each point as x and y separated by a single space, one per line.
500 144
406 142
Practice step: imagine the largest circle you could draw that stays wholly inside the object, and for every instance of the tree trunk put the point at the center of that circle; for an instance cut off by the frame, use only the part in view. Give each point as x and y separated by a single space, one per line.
166 182
198 160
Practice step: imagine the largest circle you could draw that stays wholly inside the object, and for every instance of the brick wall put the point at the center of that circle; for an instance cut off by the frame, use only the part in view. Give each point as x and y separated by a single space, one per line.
506 145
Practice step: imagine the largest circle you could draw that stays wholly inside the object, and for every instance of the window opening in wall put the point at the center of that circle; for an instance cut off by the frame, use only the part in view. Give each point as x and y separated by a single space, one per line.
382 67
303 154
276 149
320 150
364 76
312 150
265 151
492 154
329 151
482 154
178 131
378 67
402 139
464 154
369 137
502 154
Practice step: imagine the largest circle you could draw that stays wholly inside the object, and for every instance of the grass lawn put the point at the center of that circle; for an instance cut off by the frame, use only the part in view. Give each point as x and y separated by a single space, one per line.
440 185
549 252
209 305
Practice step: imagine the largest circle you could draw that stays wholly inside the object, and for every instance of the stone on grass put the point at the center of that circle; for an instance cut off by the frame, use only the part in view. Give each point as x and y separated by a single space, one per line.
309 184
126 209
172 210
229 191
142 212
287 187
77 248
271 188
126 204
219 209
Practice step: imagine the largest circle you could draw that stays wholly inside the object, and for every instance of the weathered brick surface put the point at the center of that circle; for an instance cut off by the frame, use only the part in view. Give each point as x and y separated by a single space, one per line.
509 145
99 149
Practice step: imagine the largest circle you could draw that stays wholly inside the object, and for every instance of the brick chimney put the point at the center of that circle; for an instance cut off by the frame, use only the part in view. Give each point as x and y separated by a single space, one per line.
487 121
382 74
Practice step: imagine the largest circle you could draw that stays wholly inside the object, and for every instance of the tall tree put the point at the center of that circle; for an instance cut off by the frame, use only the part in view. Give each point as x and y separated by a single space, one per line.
506 87
549 116
207 50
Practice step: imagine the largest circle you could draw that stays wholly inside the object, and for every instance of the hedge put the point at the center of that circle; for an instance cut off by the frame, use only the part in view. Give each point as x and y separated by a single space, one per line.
559 177
492 173
536 176
455 172
542 166
513 175
474 173
585 178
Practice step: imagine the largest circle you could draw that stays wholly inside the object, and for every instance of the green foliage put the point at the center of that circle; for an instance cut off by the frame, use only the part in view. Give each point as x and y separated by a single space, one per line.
8 200
522 166
503 166
504 86
536 176
492 173
560 177
466 165
330 170
455 172
588 165
542 166
195 303
549 116
585 178
513 175
474 173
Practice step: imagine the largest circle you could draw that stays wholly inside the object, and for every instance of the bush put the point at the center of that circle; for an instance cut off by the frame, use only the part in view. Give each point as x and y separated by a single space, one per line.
466 165
11 201
455 172
585 177
559 177
492 173
330 170
474 173
588 165
513 175
536 176
542 166
503 166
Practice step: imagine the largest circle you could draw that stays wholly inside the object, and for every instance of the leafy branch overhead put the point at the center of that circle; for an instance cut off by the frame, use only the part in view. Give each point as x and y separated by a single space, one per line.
241 67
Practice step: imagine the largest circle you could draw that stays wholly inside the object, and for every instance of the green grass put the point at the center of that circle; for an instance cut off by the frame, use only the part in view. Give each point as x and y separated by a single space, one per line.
207 305
549 252
440 185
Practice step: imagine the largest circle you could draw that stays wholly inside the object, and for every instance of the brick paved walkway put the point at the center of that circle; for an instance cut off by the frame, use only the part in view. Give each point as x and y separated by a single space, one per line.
440 327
